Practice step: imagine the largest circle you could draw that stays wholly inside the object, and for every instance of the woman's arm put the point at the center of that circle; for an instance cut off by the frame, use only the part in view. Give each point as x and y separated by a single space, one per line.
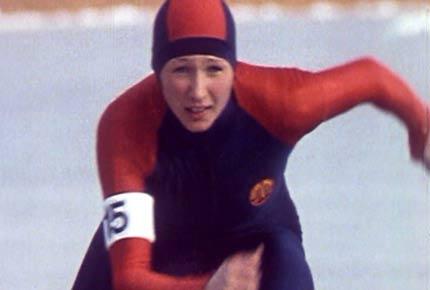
290 102
126 152
367 81
131 268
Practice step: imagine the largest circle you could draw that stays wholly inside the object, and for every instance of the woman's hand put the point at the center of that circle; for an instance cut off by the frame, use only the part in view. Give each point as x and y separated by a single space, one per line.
427 153
240 271
421 152
419 140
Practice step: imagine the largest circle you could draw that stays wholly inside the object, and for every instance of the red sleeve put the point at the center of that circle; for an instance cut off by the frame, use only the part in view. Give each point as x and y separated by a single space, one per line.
291 102
126 152
269 95
126 141
131 269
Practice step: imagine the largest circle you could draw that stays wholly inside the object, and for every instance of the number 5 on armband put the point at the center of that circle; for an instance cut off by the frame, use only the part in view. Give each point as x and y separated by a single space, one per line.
128 215
115 220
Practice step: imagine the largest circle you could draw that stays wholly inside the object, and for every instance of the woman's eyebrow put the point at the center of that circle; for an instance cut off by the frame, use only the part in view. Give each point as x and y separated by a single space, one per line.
213 60
181 59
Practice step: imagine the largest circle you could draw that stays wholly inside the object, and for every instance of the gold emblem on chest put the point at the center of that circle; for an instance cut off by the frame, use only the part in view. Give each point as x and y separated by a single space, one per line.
261 192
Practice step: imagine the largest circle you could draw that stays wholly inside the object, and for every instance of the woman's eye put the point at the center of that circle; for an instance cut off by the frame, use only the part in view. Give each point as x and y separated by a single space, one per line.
215 68
180 69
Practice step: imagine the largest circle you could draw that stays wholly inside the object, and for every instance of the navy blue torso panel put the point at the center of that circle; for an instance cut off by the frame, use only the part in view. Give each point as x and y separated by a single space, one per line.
202 184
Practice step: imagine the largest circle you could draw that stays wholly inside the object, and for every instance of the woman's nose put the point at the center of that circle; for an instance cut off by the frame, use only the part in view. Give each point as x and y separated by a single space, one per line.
198 90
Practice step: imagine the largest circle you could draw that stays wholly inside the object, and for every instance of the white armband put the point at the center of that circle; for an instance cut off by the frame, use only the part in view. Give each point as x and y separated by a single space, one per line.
128 215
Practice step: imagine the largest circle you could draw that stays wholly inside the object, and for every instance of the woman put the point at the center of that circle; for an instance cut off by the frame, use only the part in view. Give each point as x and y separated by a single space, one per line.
192 158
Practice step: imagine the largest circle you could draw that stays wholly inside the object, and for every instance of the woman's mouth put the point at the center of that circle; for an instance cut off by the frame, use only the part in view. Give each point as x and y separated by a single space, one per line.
197 112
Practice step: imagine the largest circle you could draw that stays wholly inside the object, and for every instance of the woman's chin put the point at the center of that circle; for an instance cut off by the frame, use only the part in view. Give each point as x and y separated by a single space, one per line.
198 126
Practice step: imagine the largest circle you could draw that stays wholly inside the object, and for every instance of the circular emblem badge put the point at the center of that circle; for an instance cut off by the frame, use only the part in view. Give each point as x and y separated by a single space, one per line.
261 192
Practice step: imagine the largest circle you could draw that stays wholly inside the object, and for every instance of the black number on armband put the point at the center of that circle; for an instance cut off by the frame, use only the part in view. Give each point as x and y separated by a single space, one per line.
115 220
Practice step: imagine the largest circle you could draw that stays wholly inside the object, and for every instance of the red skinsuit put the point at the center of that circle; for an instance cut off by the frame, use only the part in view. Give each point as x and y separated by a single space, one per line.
289 103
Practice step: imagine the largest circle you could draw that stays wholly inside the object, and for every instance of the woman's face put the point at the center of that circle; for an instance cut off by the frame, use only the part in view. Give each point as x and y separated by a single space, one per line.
197 89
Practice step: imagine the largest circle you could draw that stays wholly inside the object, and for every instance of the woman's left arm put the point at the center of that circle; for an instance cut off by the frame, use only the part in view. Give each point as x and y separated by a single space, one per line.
363 81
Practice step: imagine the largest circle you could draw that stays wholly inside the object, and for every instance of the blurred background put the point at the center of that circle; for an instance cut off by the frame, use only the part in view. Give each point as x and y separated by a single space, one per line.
364 205
46 5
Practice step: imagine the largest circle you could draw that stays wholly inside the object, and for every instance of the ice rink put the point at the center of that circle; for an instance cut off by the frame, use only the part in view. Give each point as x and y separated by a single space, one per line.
364 206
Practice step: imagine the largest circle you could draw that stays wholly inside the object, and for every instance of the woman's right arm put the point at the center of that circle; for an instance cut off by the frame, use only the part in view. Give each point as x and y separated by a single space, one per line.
126 152
131 268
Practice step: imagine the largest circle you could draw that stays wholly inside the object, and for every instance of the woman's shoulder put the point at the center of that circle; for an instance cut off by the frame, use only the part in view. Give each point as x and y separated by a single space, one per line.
265 89
269 95
262 77
126 137
142 97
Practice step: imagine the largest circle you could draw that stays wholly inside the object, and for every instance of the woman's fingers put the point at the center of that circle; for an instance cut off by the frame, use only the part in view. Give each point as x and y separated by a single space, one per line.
240 271
426 157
